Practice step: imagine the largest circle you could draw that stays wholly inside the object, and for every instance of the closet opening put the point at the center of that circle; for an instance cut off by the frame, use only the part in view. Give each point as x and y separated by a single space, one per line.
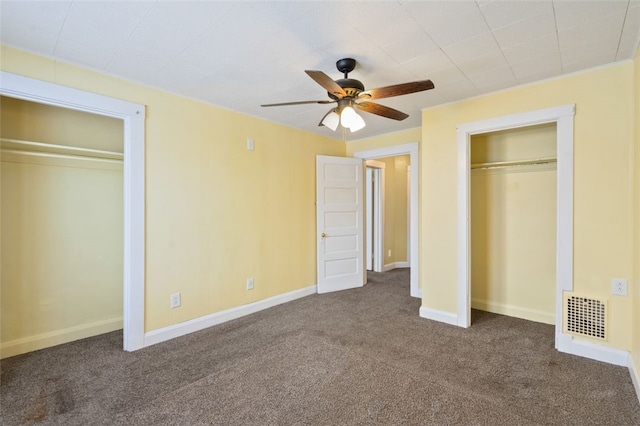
62 225
133 119
513 212
562 117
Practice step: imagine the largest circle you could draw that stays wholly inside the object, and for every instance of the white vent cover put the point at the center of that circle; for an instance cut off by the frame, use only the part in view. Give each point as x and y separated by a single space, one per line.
585 316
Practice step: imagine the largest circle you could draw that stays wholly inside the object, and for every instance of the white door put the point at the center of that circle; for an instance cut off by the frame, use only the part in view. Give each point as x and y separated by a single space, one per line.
340 223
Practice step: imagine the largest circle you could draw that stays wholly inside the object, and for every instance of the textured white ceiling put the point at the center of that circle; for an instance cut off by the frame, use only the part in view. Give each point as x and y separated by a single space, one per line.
239 55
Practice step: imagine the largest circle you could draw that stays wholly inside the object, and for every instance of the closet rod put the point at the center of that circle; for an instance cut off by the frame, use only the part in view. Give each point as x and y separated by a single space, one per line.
48 155
501 164
42 148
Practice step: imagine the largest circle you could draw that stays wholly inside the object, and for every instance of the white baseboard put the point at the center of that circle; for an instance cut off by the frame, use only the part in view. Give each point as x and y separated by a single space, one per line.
635 377
394 265
568 344
440 316
417 293
197 324
58 337
514 311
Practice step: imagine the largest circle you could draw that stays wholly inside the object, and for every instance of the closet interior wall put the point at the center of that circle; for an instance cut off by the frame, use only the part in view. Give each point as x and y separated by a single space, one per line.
61 225
513 222
396 208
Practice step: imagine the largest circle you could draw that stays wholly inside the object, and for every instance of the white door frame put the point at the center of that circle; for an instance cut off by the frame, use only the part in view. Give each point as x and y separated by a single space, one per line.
368 217
133 115
410 149
563 117
409 210
378 213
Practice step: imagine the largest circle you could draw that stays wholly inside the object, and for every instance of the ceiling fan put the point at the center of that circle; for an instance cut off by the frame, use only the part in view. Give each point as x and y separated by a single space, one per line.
349 93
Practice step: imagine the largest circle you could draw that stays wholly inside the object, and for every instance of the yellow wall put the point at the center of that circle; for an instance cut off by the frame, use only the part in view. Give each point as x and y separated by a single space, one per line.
513 224
216 213
401 206
35 122
384 141
525 143
61 252
603 184
395 209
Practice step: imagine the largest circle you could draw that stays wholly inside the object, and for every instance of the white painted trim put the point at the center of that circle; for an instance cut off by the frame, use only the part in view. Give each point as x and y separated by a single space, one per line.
378 216
635 377
394 265
568 344
369 249
462 235
58 337
440 316
563 117
564 206
412 150
514 121
197 324
409 215
133 116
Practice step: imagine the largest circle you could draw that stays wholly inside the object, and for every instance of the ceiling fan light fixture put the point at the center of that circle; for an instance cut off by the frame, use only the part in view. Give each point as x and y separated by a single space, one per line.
351 120
331 120
348 117
358 124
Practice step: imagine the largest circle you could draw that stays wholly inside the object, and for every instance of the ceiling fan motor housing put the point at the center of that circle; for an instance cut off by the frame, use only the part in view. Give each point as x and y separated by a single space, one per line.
351 87
346 65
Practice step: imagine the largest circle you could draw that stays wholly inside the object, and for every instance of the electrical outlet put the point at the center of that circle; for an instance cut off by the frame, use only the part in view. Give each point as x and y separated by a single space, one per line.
619 286
389 253
175 300
250 283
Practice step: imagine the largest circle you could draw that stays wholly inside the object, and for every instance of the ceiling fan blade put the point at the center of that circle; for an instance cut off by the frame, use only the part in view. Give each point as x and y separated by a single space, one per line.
381 110
325 81
298 103
397 90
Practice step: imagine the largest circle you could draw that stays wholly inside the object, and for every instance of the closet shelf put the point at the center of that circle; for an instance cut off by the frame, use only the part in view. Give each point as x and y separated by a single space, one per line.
503 164
39 148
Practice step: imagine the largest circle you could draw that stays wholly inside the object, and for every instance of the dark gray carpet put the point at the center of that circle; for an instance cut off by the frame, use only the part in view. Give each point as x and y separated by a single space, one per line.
358 357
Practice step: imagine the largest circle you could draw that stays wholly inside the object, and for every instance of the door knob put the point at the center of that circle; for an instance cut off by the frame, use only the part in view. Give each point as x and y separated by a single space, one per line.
324 235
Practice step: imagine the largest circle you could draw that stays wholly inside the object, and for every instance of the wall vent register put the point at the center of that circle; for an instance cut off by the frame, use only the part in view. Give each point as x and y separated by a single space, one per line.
586 316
